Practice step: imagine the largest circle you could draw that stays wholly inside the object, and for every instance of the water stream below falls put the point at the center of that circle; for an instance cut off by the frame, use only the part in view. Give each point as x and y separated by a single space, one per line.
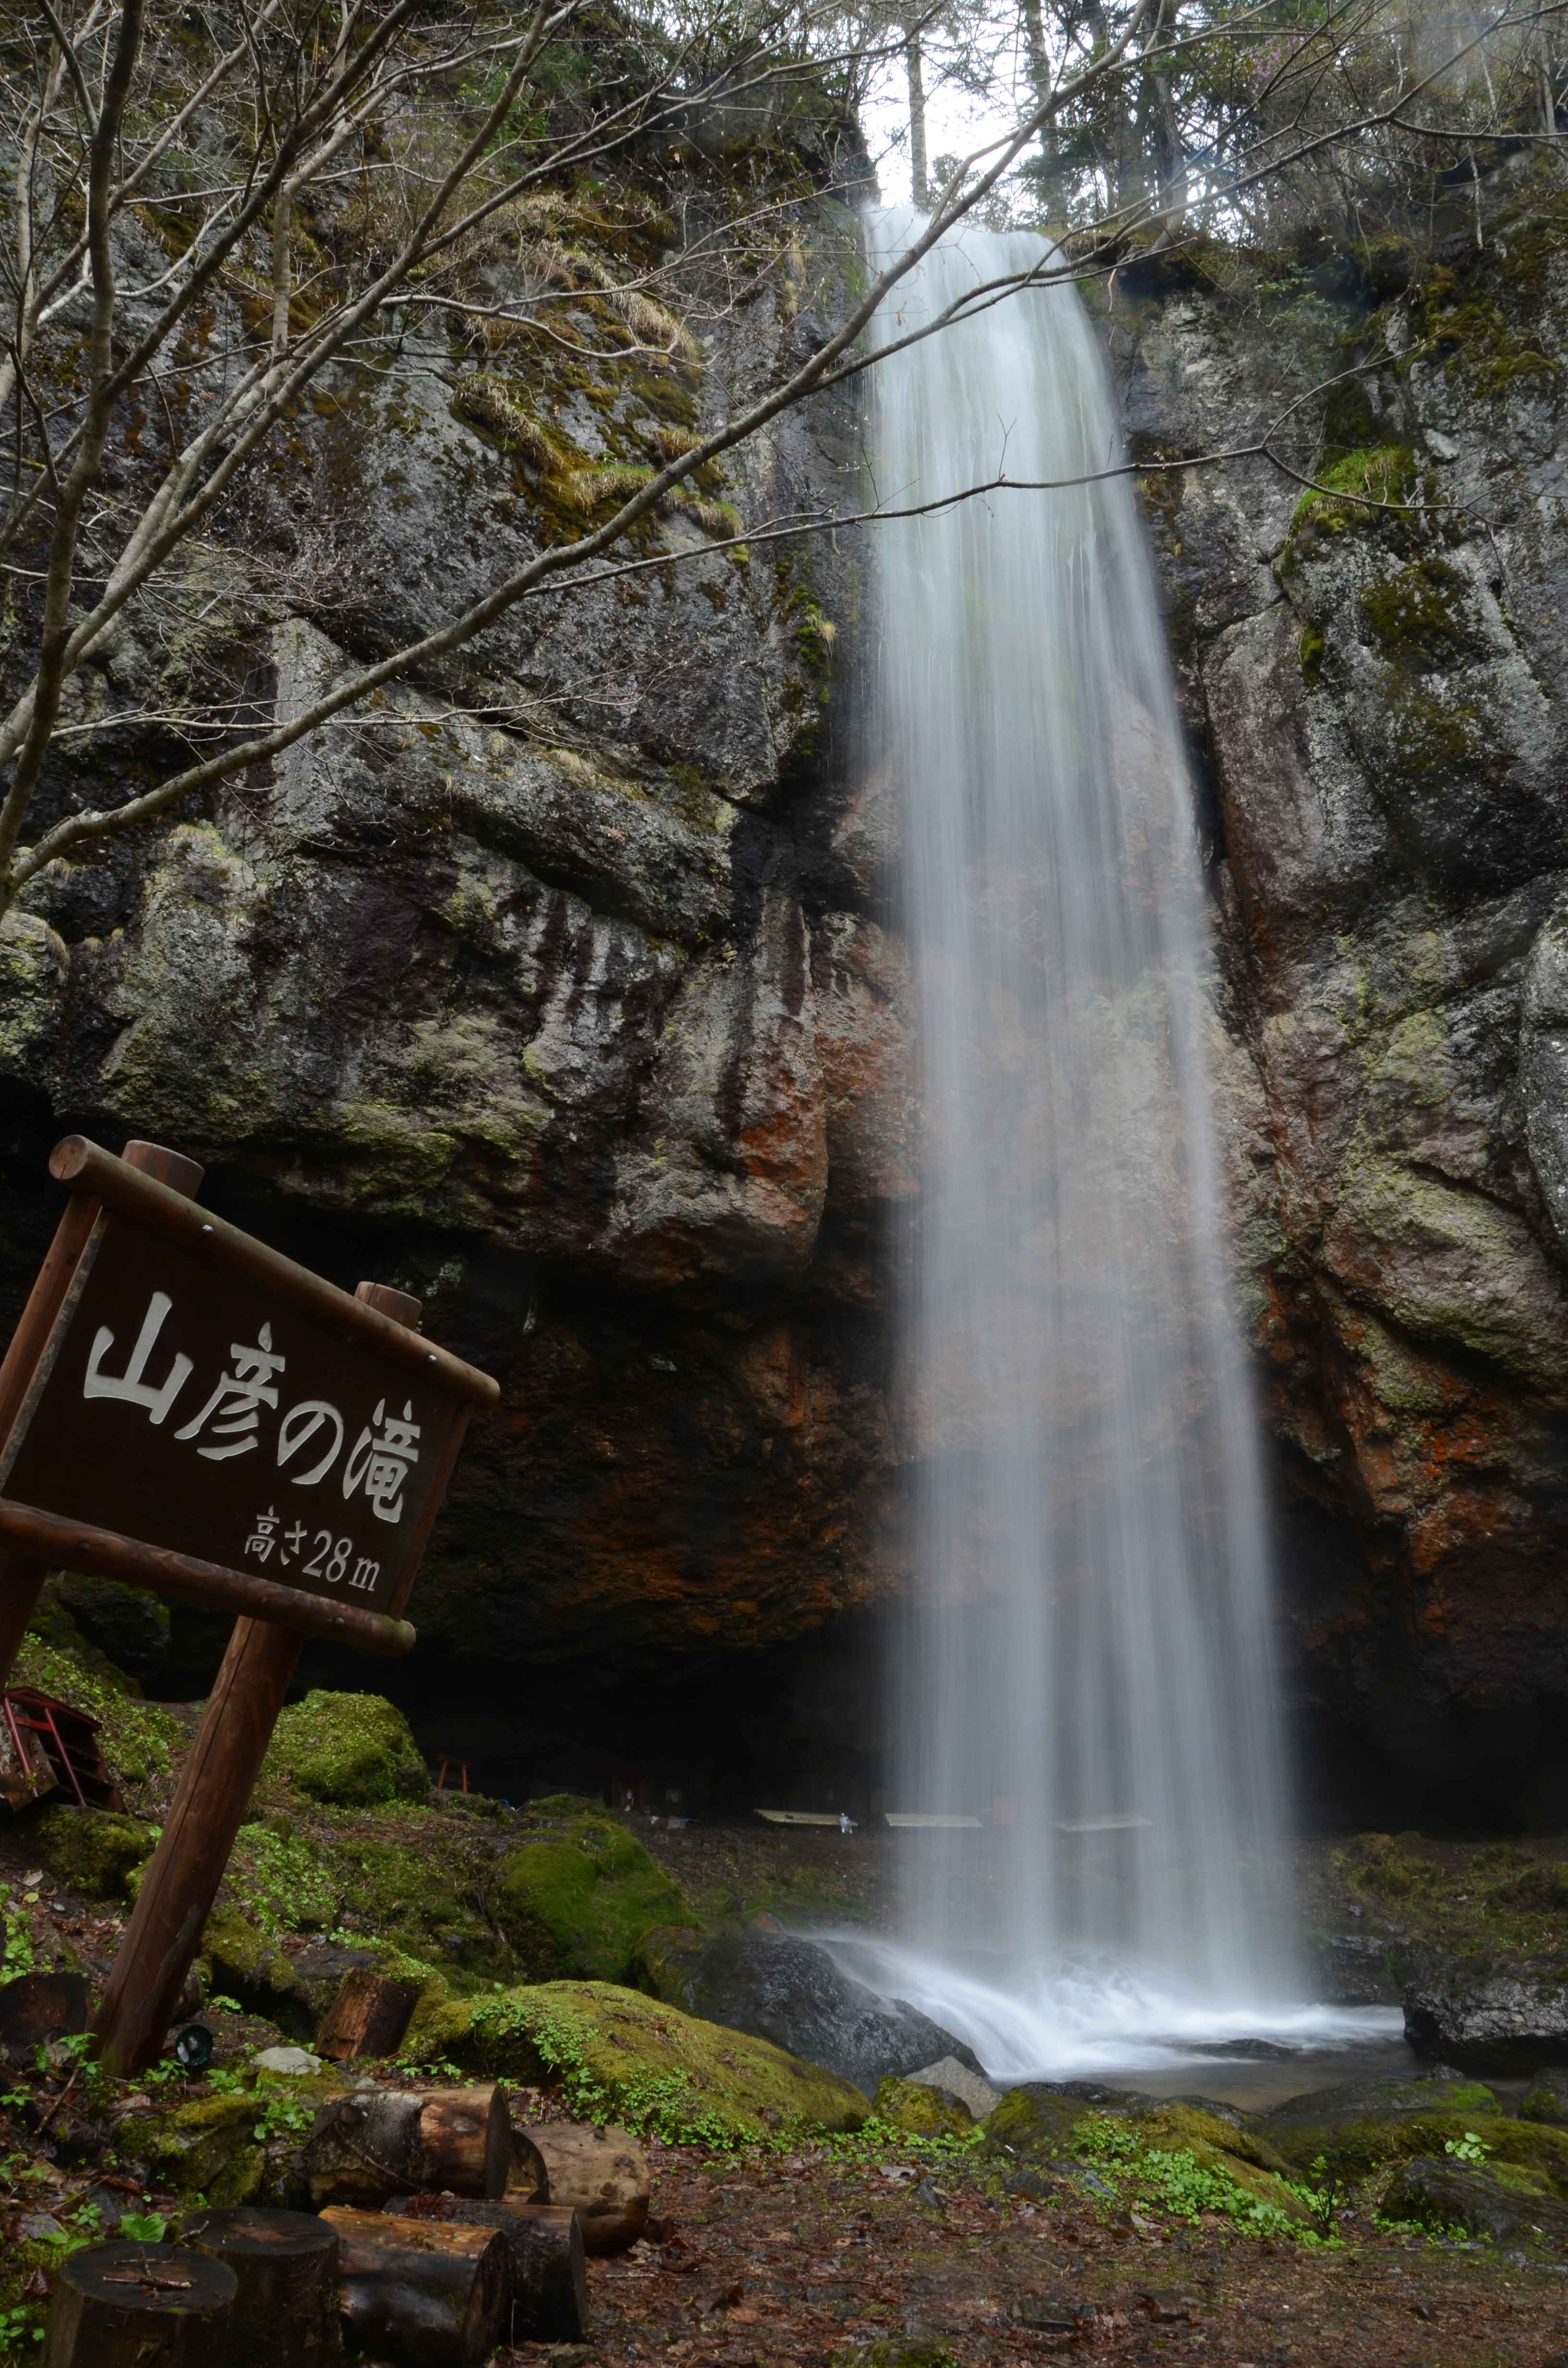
1088 1670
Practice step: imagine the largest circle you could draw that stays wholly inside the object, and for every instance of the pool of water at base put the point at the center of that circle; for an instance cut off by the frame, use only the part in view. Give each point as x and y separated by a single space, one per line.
1092 2019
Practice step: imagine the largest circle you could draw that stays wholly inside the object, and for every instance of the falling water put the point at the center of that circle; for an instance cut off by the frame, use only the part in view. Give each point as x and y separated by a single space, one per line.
1089 1669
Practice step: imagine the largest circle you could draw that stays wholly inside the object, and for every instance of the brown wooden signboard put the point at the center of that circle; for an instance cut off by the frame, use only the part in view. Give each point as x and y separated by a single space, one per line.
194 1411
184 1408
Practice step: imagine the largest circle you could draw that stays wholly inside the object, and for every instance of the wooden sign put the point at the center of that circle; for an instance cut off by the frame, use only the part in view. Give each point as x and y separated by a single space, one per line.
223 1423
184 1408
191 1407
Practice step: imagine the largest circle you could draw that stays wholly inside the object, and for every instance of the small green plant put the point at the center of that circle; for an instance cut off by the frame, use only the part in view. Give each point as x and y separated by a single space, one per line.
143 2227
1172 2178
17 1957
284 2117
1324 2193
1469 2149
20 2327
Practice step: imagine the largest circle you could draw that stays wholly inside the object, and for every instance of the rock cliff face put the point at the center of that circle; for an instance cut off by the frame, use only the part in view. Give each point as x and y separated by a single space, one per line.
1377 695
564 993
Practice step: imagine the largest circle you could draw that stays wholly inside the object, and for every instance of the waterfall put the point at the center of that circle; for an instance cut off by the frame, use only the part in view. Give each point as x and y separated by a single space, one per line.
1087 1669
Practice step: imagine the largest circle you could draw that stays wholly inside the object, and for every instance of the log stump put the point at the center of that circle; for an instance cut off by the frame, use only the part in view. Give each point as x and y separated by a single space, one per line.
546 2261
285 2263
40 2005
603 2172
367 2017
128 2305
380 2143
426 2293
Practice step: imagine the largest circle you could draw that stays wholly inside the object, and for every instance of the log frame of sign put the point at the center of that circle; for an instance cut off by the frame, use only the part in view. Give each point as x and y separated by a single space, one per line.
155 1187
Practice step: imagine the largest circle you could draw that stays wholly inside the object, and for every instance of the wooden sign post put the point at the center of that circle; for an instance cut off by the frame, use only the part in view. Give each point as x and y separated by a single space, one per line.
183 1409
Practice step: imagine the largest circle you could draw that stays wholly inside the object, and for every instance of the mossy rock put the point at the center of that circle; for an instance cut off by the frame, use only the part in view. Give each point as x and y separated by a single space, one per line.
922 2113
353 1751
582 1902
1034 2123
1034 2128
1182 2125
1439 2193
206 2148
96 1852
1417 2118
1546 2099
237 1959
616 2055
411 1891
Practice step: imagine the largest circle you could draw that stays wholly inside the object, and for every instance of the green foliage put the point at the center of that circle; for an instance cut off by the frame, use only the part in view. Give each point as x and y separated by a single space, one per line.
283 1883
143 2227
17 1954
138 1739
1173 2179
284 2116
20 2327
1467 2148
352 1750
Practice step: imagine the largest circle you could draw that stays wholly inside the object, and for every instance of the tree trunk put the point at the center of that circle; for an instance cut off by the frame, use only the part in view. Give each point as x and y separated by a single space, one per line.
426 2293
126 2305
604 2173
545 2256
381 2143
285 2266
920 181
367 2017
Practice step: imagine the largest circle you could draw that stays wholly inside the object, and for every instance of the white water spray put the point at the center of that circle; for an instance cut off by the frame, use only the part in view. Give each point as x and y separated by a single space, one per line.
1090 1671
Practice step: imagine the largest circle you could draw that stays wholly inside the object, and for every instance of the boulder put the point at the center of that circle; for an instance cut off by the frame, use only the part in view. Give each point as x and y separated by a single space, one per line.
1497 2015
1438 2193
581 1900
921 2111
1362 2124
1546 2099
954 2078
1033 2129
614 2053
791 1991
352 1750
96 1852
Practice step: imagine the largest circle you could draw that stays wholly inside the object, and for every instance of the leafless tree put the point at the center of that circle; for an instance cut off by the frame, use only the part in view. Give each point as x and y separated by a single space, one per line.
316 172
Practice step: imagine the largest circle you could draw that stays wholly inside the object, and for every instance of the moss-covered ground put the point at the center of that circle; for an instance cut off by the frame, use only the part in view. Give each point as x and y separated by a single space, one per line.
519 1929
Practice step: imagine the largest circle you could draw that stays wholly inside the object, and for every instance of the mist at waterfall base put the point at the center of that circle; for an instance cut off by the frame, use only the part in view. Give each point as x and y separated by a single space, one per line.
1089 1663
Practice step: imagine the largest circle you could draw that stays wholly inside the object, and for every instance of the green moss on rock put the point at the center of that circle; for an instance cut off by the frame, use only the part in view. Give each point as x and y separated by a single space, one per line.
1340 502
616 2055
922 2113
1359 2129
96 1852
206 2148
353 1750
581 1901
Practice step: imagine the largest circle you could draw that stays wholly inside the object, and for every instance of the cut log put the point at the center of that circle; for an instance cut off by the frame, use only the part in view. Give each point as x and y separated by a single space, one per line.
285 2264
125 2306
428 2294
527 2179
40 2005
367 2017
603 2172
381 2143
545 2258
